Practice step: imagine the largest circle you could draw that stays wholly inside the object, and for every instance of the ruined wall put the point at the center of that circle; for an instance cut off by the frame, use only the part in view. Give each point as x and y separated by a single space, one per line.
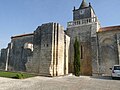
48 54
108 50
19 53
3 58
42 53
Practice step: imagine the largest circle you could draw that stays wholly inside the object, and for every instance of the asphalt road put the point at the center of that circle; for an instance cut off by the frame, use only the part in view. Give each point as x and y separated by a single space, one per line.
60 83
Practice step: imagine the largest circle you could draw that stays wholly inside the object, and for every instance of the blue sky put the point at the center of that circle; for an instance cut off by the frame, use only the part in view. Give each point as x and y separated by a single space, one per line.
23 16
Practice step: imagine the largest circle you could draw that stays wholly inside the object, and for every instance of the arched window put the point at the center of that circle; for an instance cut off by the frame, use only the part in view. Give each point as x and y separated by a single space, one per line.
107 41
29 46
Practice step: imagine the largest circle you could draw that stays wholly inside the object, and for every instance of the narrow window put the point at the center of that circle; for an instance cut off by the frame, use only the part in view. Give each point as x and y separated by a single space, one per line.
81 52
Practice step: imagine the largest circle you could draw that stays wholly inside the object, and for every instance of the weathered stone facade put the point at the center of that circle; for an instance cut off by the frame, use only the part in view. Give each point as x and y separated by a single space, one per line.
87 46
19 52
49 50
108 38
84 26
44 52
3 58
49 56
99 47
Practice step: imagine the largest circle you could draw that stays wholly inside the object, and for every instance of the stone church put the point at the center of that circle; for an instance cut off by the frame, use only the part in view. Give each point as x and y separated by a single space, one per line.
49 50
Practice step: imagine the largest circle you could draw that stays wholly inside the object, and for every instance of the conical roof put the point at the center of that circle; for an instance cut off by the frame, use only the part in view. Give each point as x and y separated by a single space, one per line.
83 4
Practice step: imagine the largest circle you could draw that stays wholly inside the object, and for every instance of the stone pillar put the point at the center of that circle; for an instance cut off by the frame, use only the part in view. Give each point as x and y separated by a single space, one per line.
6 65
95 49
118 44
95 63
66 53
54 47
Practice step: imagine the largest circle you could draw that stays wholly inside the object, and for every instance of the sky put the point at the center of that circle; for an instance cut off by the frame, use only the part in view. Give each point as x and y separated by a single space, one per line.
24 16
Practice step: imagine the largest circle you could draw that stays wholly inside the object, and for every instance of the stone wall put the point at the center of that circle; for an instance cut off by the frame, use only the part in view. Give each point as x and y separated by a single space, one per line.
42 53
86 13
94 46
48 54
66 53
108 50
59 46
19 53
3 58
83 33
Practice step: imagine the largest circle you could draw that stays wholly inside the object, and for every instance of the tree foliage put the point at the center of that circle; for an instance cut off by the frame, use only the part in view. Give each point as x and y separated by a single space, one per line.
76 58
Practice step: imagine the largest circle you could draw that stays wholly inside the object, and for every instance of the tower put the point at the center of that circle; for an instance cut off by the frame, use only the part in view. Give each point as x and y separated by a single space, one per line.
84 26
84 11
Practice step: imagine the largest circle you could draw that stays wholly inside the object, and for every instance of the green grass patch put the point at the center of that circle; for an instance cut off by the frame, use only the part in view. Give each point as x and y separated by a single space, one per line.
16 75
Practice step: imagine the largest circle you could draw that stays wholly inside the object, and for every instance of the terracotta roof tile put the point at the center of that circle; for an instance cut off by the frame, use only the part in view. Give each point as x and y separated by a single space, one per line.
110 28
22 35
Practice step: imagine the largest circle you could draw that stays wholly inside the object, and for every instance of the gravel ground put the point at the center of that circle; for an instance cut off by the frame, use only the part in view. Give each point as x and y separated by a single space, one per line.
60 83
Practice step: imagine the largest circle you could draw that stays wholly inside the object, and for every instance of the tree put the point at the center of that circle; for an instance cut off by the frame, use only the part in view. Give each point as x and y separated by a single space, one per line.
76 58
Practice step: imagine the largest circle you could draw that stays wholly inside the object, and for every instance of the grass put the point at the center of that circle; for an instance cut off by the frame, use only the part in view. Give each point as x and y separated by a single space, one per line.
16 75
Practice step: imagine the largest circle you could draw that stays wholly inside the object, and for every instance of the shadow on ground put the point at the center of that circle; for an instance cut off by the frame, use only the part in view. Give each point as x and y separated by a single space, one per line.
105 77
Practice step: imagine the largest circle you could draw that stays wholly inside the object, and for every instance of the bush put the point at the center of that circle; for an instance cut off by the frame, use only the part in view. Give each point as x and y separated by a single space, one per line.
19 76
76 58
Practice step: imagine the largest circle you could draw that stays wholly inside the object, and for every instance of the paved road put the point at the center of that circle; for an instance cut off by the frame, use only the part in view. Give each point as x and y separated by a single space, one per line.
60 83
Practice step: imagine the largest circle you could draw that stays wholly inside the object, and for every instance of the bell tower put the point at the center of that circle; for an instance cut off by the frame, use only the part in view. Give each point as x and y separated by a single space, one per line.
84 26
84 11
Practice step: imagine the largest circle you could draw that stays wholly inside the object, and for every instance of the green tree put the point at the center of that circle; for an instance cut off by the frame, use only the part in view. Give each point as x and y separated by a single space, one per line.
76 58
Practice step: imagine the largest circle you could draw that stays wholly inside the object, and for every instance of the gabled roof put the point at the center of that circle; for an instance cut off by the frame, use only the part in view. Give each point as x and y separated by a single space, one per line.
83 4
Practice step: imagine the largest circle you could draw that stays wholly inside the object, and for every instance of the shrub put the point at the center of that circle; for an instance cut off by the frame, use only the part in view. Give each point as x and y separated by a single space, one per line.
19 76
